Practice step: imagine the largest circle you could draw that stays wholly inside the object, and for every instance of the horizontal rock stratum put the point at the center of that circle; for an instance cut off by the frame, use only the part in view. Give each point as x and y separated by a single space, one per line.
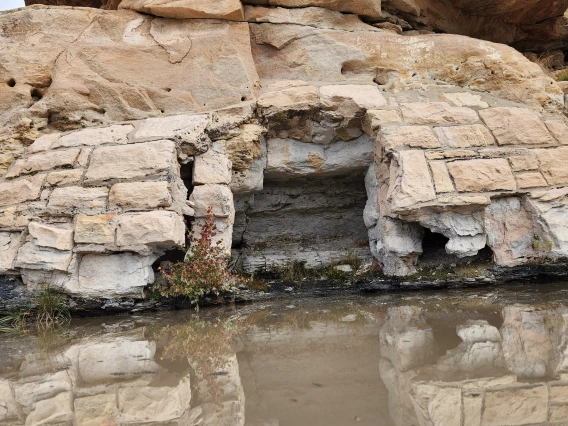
312 129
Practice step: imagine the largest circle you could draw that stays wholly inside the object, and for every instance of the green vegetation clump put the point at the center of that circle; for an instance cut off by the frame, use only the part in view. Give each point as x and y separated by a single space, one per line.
48 313
204 271
562 76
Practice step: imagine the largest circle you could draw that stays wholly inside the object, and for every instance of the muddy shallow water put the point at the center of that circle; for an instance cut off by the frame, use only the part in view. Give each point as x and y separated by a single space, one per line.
494 356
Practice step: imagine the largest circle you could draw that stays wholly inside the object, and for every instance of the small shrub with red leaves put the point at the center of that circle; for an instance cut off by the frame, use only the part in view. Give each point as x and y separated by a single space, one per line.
204 271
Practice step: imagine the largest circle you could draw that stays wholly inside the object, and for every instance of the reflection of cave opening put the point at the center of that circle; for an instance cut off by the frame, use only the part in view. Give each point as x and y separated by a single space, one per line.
304 219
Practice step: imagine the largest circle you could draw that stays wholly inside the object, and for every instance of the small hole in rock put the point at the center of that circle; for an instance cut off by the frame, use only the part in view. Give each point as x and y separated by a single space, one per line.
36 94
168 89
243 98
11 82
162 111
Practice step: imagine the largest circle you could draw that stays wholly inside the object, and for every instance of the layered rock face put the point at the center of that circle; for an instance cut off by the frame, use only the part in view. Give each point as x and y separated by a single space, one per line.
311 135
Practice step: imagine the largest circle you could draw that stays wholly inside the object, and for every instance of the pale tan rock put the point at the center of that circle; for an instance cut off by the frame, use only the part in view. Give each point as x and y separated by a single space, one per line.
441 406
64 177
312 16
43 143
44 161
21 190
520 163
467 136
119 62
83 159
158 404
526 180
31 256
8 216
8 404
98 229
297 98
516 406
410 181
140 195
96 410
558 413
516 126
394 137
482 175
56 410
230 10
368 8
131 161
350 100
58 237
466 99
442 181
159 227
77 199
553 165
558 394
219 197
117 134
509 231
10 243
111 275
374 119
246 147
559 129
472 407
437 113
212 167
402 63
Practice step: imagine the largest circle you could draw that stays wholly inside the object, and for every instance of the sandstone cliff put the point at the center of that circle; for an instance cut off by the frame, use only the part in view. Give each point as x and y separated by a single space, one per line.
314 129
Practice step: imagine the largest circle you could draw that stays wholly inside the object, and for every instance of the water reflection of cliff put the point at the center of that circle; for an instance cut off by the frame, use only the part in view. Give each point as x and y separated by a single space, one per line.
515 373
368 364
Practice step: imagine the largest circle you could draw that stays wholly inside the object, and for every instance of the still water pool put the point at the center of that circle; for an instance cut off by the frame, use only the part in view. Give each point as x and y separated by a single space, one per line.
494 357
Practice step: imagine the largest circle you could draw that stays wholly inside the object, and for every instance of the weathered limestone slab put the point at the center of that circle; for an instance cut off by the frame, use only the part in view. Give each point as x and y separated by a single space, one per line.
98 229
374 119
64 177
77 199
559 129
43 143
516 406
438 406
523 162
526 180
252 179
553 165
410 181
230 10
31 256
516 126
117 134
245 148
350 99
44 161
296 97
158 227
10 242
464 136
437 113
21 190
482 175
57 237
131 161
114 275
442 181
312 16
466 99
219 197
140 195
9 407
509 231
291 157
212 167
395 137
